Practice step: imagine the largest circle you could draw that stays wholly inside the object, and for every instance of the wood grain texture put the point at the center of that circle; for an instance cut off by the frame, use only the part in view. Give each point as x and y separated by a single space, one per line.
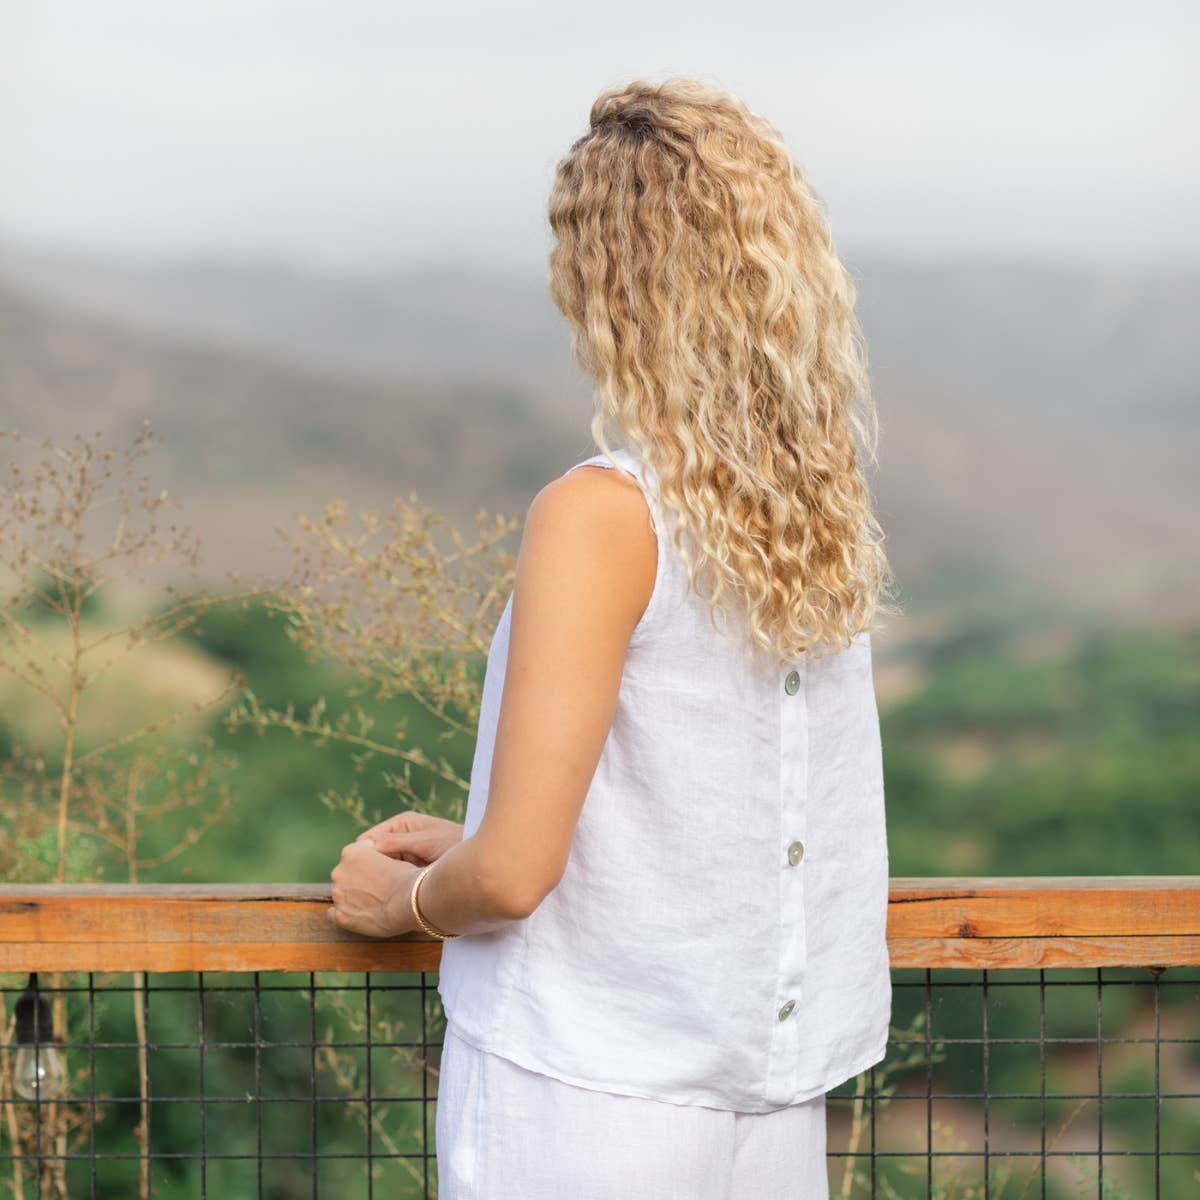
968 923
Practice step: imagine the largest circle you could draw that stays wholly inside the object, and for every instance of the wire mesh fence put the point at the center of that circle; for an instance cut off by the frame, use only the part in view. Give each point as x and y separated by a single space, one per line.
230 1084
1000 1083
1033 1084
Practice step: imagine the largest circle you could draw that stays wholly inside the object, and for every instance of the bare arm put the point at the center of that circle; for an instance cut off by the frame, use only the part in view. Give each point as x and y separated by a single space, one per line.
585 572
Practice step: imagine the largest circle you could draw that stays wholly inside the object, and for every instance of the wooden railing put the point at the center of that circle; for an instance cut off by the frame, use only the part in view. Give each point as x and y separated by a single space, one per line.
288 1056
994 922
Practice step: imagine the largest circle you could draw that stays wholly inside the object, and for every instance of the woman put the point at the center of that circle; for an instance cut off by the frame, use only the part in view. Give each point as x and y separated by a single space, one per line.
665 911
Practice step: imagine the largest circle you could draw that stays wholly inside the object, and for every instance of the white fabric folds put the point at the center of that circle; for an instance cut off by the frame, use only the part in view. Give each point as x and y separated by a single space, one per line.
718 936
505 1133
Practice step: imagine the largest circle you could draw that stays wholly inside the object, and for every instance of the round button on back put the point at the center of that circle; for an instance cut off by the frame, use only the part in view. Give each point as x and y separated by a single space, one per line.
786 1010
791 684
795 852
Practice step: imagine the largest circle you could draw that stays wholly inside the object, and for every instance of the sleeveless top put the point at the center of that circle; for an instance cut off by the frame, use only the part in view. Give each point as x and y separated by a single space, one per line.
718 935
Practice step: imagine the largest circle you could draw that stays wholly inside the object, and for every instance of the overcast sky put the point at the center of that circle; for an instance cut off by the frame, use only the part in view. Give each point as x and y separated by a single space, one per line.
354 133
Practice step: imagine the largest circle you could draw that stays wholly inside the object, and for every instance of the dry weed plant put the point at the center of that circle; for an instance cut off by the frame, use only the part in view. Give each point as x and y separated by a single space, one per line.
76 519
406 606
402 601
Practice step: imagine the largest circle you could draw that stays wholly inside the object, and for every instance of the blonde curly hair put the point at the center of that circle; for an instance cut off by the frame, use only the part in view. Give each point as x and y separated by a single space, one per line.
696 269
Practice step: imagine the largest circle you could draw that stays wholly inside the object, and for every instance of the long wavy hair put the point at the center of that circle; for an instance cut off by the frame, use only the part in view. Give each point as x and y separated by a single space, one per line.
698 274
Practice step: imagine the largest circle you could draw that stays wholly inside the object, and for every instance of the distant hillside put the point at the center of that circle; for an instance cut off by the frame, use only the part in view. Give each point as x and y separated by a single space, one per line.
417 325
1039 425
246 441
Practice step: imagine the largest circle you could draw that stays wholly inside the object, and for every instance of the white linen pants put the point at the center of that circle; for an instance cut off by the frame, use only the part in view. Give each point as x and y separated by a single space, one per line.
507 1133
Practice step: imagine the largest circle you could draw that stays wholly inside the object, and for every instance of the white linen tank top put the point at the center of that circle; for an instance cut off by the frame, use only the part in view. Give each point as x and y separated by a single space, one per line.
718 935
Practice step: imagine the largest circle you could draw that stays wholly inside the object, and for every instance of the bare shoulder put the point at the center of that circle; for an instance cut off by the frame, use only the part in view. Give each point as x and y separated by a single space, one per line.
594 524
599 501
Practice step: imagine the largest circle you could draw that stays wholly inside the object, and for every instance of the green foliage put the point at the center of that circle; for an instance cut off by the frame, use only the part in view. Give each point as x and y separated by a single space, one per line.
45 597
37 857
280 831
1082 763
252 636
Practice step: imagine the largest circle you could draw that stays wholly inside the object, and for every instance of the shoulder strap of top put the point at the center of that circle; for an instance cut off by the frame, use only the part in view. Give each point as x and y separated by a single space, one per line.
597 460
629 461
622 454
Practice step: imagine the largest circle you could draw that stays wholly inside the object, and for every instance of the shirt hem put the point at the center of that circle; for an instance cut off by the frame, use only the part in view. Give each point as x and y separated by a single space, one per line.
694 1098
855 1068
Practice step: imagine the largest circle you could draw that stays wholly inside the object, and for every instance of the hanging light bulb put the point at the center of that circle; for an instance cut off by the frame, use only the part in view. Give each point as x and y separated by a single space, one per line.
40 1070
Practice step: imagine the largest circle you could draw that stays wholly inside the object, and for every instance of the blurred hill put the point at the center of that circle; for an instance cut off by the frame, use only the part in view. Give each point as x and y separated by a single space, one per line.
248 440
1039 426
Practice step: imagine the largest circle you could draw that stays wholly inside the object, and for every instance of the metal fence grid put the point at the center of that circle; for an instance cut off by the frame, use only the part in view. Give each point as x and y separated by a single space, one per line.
258 1084
1047 1083
998 1084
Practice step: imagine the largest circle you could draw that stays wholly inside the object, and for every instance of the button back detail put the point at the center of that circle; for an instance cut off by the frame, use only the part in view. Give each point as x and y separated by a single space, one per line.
677 944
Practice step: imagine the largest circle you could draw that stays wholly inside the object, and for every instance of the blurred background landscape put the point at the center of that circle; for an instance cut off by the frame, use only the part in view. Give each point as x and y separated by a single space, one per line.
1040 424
1039 430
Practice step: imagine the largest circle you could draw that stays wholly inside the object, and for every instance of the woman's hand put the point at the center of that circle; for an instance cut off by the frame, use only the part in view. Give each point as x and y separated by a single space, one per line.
414 837
372 891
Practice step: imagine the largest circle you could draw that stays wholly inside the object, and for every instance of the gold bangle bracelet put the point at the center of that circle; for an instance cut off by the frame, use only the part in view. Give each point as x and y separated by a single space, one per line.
420 919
